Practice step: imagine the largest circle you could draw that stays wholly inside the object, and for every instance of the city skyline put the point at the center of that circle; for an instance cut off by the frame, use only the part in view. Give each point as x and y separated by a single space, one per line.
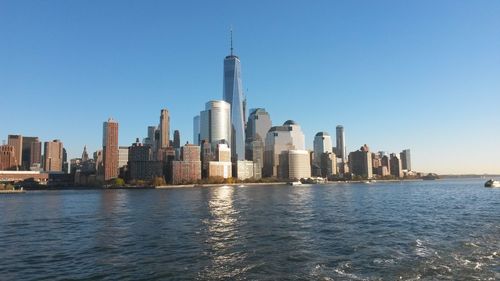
437 107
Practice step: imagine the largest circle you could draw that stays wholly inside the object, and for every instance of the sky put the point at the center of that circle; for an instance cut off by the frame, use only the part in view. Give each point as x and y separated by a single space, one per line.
423 75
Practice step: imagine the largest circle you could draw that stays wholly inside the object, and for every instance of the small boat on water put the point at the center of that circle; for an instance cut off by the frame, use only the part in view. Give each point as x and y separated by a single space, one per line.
492 183
294 183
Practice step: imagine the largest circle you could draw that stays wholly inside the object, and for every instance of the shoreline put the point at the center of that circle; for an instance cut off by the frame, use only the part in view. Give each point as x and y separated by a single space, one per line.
12 191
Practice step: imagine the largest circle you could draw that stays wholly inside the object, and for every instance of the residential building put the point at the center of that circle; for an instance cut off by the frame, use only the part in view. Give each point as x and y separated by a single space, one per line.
110 149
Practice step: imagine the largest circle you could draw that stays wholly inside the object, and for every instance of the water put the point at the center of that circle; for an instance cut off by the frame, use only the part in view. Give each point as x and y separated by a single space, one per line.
431 230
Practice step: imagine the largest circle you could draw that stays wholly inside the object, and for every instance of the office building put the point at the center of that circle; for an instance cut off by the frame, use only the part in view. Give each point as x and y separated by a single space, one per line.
279 139
259 123
294 164
35 154
177 139
122 156
53 156
16 141
164 129
322 144
110 149
341 146
360 162
245 170
188 169
196 130
26 152
328 164
405 160
215 123
8 157
395 166
140 164
233 95
222 166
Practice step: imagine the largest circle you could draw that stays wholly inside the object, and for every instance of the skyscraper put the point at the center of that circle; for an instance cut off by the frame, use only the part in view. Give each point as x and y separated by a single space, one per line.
405 160
196 130
53 156
36 153
110 149
177 139
322 144
341 147
164 128
233 94
26 152
279 139
258 125
17 142
361 162
215 123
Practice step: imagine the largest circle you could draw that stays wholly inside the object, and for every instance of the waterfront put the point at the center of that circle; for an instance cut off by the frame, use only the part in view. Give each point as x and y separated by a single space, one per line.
426 230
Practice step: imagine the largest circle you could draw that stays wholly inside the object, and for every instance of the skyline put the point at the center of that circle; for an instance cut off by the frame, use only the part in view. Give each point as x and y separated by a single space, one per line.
367 62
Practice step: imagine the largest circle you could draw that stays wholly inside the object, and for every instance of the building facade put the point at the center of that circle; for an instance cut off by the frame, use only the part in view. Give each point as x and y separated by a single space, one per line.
405 157
233 95
110 149
8 157
164 129
279 139
215 123
16 141
360 162
295 164
53 156
188 170
322 144
341 146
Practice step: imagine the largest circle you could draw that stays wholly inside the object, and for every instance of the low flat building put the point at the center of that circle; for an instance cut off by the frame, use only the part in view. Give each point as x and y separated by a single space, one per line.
17 176
245 169
220 169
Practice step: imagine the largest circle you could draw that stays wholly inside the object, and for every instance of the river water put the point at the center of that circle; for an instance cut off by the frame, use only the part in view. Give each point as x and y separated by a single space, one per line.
429 230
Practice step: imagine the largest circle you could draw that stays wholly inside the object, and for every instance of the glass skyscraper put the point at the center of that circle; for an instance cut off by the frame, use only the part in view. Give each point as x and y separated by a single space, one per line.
233 94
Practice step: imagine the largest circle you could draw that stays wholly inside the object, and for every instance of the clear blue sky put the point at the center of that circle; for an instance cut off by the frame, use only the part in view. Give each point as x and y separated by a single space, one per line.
423 75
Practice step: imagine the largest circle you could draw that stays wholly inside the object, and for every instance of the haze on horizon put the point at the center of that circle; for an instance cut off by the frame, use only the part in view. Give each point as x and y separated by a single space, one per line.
422 75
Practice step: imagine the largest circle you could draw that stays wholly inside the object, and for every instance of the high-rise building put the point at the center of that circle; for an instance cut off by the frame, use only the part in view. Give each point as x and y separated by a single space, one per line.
7 157
259 123
17 142
322 144
188 169
26 152
196 130
53 156
36 153
233 94
328 164
294 164
360 162
222 166
341 147
395 163
405 160
177 139
110 149
85 155
65 164
140 164
215 123
122 156
279 139
164 129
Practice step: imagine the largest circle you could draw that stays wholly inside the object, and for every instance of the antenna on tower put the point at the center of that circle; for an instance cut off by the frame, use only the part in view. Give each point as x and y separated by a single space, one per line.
231 31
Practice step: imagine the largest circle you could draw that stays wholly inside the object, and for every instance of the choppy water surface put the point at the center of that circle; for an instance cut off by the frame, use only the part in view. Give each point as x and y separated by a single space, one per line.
435 230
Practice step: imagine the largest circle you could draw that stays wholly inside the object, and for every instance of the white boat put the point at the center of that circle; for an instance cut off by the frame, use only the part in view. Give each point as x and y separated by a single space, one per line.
492 183
295 183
